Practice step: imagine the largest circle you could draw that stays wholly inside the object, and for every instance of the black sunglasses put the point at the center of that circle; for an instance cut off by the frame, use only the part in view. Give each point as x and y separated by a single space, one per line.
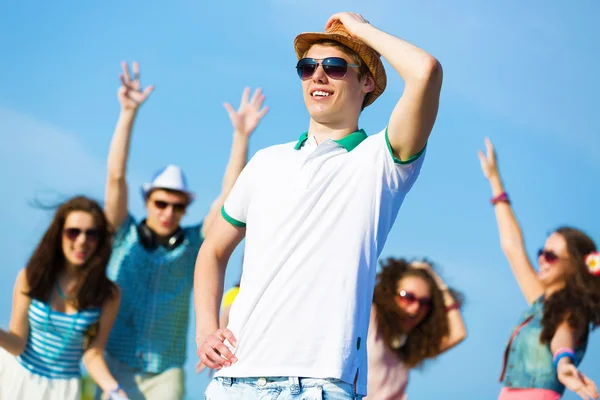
177 207
334 67
73 233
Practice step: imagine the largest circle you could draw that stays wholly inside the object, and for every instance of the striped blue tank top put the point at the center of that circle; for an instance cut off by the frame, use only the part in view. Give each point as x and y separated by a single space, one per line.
55 344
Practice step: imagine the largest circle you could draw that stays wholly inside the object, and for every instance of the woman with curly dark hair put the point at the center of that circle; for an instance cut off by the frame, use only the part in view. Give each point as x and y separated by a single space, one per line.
551 337
63 309
414 317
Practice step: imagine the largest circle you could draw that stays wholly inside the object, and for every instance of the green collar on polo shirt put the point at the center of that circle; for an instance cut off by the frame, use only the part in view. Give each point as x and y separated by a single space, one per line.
348 142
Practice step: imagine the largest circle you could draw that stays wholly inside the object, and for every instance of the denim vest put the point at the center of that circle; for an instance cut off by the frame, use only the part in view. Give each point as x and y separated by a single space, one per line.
528 364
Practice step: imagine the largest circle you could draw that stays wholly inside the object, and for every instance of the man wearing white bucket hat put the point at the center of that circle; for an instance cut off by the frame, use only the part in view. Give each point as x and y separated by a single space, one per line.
153 260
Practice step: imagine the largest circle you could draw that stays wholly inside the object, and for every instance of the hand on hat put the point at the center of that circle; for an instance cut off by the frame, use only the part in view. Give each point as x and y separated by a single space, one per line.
351 21
130 94
249 114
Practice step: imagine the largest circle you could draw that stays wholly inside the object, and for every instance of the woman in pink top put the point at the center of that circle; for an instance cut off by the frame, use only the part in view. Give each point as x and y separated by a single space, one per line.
414 317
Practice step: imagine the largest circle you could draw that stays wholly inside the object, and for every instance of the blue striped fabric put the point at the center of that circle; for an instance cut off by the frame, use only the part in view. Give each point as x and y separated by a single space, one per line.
55 344
150 331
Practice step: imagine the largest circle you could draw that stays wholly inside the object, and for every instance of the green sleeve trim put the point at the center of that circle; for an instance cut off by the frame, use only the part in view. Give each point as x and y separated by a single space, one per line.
397 160
231 220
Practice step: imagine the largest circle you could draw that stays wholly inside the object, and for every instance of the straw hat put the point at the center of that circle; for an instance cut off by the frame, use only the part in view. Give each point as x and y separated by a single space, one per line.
337 32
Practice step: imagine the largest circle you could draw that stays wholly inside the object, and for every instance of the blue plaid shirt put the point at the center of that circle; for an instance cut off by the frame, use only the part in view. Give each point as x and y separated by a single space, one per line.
151 327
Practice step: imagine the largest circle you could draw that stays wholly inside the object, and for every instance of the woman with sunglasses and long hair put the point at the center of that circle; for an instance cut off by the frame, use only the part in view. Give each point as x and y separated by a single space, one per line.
551 337
63 309
415 316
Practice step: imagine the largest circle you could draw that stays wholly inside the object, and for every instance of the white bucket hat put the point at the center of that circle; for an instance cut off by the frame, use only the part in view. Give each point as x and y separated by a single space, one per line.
172 178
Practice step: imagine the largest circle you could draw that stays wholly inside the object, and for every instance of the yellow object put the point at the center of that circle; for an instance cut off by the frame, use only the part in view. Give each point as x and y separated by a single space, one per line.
230 296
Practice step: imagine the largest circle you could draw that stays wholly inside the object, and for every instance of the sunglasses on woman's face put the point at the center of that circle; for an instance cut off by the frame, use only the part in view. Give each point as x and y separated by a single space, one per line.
410 298
91 235
548 255
334 67
177 207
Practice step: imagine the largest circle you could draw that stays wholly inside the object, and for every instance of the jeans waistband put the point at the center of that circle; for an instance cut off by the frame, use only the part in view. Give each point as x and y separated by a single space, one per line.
293 382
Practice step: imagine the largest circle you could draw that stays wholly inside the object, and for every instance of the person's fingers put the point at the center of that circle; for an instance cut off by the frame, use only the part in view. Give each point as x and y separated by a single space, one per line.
263 112
482 159
225 356
245 95
126 71
332 19
147 91
229 108
209 356
581 393
255 97
136 71
489 147
227 334
589 387
200 366
125 82
590 383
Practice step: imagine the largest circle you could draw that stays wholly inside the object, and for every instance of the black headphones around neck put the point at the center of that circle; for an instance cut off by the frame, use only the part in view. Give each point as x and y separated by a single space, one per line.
149 238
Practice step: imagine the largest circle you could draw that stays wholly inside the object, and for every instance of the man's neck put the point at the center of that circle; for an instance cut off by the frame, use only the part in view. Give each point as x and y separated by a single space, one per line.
161 238
338 131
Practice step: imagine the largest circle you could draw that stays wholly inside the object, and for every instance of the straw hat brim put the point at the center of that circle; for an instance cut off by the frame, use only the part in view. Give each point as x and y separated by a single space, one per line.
370 57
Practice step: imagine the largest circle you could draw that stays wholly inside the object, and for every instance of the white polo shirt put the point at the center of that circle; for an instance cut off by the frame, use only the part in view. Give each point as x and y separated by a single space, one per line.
317 218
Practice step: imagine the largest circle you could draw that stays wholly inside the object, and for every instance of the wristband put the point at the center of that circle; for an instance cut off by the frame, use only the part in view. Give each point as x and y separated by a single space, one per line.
453 306
501 198
115 390
562 353
563 350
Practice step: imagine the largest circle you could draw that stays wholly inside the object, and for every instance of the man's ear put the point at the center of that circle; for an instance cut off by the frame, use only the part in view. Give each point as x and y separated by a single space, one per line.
368 84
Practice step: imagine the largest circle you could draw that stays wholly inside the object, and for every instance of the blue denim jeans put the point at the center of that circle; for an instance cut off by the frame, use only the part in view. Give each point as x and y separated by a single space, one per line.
279 388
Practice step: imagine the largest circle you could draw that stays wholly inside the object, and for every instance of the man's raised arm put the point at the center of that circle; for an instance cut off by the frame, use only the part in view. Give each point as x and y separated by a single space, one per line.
415 113
131 96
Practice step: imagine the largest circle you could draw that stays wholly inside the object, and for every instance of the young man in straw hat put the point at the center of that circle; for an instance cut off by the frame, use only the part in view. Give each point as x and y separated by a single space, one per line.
315 213
153 260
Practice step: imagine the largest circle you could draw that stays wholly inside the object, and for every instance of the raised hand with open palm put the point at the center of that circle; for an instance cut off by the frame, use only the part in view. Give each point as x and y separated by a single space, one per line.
246 118
130 94
489 165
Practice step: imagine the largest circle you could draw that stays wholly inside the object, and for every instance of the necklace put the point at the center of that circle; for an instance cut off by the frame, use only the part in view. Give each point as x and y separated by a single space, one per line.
398 341
61 293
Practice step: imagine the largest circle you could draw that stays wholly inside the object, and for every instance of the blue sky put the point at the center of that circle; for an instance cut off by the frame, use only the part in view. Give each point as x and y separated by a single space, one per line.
522 73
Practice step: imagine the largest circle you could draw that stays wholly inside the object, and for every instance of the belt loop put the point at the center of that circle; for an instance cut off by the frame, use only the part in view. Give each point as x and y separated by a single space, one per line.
227 381
294 385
